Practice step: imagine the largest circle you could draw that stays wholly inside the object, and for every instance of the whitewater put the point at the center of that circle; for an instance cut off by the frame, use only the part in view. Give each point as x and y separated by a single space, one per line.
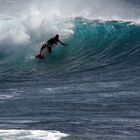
87 90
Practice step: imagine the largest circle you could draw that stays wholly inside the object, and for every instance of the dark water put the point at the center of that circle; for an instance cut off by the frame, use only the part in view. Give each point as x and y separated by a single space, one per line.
89 90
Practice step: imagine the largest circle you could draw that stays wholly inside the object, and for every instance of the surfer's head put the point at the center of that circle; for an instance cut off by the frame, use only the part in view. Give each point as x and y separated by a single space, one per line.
57 36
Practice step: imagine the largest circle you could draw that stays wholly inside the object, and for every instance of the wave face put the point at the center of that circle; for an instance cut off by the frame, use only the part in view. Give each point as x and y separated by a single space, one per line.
92 45
89 89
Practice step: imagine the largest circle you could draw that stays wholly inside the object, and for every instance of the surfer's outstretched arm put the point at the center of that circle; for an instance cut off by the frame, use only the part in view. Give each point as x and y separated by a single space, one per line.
62 43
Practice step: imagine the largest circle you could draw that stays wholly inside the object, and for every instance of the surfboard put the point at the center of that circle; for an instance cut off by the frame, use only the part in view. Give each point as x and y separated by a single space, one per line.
39 56
44 54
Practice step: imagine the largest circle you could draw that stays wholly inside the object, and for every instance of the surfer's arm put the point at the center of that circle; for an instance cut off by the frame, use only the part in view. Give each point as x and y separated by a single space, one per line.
62 43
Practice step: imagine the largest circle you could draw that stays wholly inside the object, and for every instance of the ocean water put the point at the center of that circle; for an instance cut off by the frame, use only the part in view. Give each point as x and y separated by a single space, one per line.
89 90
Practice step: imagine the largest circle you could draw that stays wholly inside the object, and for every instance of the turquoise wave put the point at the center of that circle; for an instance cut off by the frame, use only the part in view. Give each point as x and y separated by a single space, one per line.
93 45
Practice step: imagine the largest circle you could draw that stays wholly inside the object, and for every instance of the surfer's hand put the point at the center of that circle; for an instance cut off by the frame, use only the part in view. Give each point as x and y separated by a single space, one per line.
64 44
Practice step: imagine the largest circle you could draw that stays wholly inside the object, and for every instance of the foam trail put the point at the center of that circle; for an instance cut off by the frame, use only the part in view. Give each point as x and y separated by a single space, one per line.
15 134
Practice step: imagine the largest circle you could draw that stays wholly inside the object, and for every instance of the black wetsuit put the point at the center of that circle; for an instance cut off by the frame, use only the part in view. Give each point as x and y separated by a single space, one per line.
52 41
49 43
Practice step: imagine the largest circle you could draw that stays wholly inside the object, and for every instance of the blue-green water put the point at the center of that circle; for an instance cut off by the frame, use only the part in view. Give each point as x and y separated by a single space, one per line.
89 89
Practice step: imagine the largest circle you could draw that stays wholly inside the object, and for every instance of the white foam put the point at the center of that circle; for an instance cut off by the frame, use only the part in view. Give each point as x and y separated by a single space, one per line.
16 134
30 31
3 97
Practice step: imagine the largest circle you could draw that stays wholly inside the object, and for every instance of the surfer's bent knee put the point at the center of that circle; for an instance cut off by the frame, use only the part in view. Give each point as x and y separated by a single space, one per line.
50 49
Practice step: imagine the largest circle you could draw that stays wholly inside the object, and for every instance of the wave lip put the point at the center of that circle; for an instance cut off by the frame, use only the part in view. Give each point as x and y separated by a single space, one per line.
31 134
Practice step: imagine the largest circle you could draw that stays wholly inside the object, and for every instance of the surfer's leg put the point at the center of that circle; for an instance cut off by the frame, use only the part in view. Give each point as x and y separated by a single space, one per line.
49 46
43 46
50 49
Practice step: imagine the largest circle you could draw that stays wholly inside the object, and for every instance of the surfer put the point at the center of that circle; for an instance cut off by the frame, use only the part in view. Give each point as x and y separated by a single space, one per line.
50 43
